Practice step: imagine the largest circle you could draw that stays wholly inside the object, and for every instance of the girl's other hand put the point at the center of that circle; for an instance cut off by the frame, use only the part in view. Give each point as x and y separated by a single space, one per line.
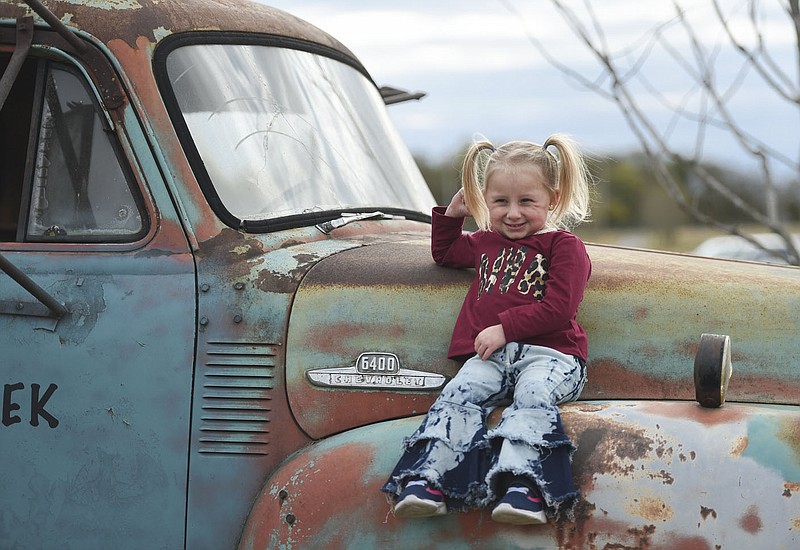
457 207
489 340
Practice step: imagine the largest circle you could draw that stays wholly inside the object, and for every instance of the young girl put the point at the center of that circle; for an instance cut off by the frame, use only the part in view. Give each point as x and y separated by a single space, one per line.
518 327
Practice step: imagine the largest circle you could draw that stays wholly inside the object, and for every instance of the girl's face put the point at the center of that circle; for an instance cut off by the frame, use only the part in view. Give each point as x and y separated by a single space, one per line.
518 202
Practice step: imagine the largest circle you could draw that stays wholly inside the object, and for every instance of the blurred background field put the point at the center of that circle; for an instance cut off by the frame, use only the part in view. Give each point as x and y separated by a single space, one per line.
682 238
629 209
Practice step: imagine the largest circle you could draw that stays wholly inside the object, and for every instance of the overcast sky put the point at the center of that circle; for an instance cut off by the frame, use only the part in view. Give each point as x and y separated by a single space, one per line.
483 76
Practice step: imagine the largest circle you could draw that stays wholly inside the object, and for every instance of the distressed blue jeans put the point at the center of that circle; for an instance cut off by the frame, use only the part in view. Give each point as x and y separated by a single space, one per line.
455 451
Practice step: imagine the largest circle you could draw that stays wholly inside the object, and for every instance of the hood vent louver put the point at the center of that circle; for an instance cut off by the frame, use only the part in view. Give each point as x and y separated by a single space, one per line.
237 387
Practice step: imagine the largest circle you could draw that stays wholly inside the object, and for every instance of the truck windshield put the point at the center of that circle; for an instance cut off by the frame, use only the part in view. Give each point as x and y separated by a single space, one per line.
283 132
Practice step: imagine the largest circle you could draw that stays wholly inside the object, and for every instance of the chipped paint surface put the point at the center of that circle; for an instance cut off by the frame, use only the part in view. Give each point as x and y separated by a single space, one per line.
107 4
128 19
708 499
633 354
112 459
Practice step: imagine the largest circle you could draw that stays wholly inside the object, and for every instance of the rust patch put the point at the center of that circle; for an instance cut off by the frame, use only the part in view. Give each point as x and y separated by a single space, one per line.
587 407
640 313
763 389
289 243
751 521
643 534
665 477
228 242
305 259
790 488
310 505
789 433
171 238
696 413
650 508
268 281
609 378
706 512
309 489
683 458
661 451
739 446
604 446
129 20
691 543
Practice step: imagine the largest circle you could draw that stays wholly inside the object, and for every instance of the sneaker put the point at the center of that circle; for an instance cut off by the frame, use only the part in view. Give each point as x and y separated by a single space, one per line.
418 500
520 506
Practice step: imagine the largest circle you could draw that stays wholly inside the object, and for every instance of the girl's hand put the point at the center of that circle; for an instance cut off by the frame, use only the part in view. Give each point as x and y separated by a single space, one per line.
489 340
457 207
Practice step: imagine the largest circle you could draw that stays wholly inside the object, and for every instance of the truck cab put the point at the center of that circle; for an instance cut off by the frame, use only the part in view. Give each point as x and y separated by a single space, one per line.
219 317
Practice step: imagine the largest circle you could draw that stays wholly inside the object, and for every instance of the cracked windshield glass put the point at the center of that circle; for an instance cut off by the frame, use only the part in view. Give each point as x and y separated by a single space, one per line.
284 132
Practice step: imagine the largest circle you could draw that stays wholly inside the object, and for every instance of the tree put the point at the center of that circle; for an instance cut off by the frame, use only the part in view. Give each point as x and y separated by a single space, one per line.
706 104
443 178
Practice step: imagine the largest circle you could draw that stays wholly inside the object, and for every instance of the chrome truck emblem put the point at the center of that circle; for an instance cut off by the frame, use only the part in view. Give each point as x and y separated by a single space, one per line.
376 370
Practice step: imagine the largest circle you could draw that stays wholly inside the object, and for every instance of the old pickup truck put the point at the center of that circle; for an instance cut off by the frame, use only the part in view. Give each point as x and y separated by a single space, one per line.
219 316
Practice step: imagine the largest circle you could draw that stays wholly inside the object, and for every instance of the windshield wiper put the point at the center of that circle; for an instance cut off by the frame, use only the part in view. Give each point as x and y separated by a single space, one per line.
348 217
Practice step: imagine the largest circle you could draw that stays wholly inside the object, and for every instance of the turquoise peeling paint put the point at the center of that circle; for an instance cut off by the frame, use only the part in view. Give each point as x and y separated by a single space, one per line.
767 445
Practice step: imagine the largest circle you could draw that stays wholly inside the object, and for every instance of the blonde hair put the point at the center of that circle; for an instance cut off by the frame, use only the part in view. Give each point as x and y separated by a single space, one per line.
565 173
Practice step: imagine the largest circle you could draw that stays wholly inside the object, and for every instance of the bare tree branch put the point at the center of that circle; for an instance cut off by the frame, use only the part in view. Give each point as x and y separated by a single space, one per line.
705 104
783 89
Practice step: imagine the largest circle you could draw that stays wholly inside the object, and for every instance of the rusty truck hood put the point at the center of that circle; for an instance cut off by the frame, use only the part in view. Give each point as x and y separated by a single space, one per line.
390 300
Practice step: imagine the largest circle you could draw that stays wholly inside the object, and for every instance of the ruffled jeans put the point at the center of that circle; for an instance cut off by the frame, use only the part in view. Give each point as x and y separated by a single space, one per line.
455 451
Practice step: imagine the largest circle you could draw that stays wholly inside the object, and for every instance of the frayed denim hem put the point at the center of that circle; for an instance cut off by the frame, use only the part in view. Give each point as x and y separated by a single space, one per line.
457 501
548 466
556 506
458 474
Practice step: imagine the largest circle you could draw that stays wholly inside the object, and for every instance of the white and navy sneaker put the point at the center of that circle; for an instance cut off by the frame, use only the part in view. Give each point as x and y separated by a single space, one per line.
520 506
419 500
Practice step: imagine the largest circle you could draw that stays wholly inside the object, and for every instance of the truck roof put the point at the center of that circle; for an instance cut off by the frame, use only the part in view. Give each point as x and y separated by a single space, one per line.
127 20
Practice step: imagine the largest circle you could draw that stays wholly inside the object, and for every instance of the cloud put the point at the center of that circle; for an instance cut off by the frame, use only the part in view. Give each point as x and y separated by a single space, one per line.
403 42
483 73
492 35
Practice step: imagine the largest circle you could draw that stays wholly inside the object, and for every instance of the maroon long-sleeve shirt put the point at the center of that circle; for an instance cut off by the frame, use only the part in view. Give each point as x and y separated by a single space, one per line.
531 286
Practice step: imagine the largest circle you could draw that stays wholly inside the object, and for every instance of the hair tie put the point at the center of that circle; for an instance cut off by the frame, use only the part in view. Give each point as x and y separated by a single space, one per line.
555 158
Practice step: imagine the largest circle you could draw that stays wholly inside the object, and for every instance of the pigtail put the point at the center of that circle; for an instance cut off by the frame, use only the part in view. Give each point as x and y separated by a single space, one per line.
473 184
573 183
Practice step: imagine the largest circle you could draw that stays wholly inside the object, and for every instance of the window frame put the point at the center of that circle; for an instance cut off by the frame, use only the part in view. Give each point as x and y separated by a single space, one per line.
45 57
194 158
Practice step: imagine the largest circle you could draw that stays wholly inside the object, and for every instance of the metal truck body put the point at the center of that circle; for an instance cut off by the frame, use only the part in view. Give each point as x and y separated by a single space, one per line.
219 317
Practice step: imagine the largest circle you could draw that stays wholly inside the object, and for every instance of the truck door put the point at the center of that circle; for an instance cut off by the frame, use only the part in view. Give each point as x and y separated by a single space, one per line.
95 397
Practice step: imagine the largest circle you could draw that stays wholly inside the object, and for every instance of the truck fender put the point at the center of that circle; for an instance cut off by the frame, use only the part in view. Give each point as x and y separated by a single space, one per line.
327 495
